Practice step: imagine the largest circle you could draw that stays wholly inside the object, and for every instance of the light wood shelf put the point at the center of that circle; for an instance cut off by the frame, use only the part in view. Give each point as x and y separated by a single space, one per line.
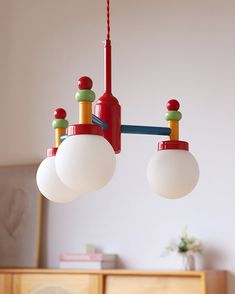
24 281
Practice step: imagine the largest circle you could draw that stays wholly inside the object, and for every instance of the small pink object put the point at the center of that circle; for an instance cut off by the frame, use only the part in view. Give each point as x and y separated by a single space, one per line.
86 257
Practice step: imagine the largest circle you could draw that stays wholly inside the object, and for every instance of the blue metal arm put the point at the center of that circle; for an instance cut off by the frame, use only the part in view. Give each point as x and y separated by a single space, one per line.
130 129
62 138
98 121
145 130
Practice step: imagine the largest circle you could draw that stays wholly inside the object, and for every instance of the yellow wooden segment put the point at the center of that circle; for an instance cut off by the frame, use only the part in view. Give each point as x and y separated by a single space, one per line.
85 112
58 133
174 126
152 285
203 284
77 284
123 272
5 284
24 281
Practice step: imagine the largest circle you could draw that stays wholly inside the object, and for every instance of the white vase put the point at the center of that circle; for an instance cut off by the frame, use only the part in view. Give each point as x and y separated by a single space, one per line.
188 261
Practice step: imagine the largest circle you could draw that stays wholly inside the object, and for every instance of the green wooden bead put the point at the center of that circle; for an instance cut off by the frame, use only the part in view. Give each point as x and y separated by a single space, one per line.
60 123
173 115
85 95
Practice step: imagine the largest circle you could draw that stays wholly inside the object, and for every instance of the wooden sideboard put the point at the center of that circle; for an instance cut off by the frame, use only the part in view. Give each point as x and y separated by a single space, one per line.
38 281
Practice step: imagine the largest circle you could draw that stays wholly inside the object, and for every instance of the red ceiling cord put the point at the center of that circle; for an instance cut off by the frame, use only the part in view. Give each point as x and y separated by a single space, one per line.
108 19
108 62
107 107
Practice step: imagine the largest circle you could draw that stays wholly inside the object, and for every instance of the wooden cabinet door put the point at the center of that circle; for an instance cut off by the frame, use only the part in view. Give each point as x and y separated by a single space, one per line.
5 284
153 285
56 283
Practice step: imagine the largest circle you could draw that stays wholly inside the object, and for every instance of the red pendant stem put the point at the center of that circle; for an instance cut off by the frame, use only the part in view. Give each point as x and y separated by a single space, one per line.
108 67
107 107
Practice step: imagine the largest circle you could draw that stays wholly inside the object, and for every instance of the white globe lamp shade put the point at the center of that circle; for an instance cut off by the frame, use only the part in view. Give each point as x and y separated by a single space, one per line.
50 185
85 162
173 173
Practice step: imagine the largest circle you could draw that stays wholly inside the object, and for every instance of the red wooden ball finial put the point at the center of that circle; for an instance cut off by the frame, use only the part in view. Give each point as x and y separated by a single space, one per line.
60 113
85 83
173 105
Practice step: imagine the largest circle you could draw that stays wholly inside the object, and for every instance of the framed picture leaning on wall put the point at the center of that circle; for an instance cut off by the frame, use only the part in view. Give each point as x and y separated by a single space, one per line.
20 217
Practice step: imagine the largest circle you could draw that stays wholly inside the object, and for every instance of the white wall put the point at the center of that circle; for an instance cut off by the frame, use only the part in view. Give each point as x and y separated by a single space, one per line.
161 49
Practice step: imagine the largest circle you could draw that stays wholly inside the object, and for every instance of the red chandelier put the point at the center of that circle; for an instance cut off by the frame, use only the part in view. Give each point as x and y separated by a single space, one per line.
84 157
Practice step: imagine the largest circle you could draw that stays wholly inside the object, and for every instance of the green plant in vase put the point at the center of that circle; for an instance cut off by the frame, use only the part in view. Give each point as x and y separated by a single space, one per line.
187 247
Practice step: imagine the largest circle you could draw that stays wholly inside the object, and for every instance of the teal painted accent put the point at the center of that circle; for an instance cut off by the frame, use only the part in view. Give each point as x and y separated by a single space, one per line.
145 130
62 138
85 95
97 121
173 115
60 123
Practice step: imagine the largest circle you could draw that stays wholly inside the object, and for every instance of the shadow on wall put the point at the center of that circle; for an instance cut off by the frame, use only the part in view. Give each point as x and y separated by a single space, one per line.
120 263
212 258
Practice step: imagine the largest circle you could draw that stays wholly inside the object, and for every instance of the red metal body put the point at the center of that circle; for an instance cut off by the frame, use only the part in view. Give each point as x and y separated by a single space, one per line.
108 108
173 145
51 151
173 104
85 129
60 113
84 83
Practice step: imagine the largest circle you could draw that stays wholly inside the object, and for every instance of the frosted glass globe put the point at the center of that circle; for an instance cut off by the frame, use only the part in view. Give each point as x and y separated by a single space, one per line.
173 173
50 185
85 162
